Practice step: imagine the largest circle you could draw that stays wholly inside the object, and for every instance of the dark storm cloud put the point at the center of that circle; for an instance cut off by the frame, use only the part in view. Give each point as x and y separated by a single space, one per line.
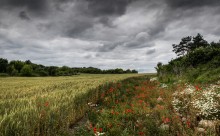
32 5
77 29
192 3
23 15
108 7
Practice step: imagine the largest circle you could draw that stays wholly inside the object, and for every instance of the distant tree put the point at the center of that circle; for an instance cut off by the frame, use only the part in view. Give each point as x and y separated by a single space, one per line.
17 64
134 71
128 71
215 44
119 71
3 65
11 70
28 62
26 70
52 70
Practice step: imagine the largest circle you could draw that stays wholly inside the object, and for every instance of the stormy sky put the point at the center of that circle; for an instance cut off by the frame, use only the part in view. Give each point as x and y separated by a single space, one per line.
134 34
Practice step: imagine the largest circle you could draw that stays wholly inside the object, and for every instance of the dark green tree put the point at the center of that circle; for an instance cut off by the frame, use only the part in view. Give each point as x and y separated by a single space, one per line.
17 64
183 47
215 44
3 65
198 41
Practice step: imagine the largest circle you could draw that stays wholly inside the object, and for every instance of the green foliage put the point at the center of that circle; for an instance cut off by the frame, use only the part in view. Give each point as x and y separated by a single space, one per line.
198 60
17 64
209 76
26 70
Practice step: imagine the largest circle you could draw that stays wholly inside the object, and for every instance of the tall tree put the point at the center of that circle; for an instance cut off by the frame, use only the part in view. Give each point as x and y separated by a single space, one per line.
198 41
183 47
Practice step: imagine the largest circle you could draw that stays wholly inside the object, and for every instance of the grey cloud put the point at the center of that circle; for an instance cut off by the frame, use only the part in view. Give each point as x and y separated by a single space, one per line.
23 15
32 5
141 40
107 47
151 51
108 7
192 3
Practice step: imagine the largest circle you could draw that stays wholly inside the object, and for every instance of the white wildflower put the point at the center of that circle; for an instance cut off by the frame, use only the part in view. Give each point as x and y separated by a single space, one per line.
99 134
163 86
153 79
164 126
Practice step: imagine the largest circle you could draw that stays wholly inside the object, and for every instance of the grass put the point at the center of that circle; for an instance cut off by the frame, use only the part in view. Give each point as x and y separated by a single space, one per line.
48 105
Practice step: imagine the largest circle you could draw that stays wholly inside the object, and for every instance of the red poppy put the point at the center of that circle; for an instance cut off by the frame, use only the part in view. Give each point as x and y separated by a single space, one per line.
46 104
100 130
140 133
94 129
128 111
166 120
197 88
102 95
188 124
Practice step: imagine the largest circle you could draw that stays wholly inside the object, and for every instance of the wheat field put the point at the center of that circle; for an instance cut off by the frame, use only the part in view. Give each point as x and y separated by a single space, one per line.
48 105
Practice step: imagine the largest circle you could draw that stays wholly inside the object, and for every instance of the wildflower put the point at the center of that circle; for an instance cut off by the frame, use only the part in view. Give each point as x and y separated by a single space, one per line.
46 104
153 79
200 130
119 85
140 101
197 88
207 123
164 86
188 123
90 125
159 99
183 119
111 90
164 126
166 120
94 129
112 112
100 129
140 133
102 95
99 134
128 111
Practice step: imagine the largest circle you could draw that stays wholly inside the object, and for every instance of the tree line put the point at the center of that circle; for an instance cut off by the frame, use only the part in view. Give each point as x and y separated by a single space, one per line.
27 68
194 56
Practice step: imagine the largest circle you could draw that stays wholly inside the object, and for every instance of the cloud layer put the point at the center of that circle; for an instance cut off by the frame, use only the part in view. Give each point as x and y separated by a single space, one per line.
103 33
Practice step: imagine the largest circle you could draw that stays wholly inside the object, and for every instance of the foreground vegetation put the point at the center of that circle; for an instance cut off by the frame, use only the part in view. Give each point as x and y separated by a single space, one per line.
49 105
146 107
